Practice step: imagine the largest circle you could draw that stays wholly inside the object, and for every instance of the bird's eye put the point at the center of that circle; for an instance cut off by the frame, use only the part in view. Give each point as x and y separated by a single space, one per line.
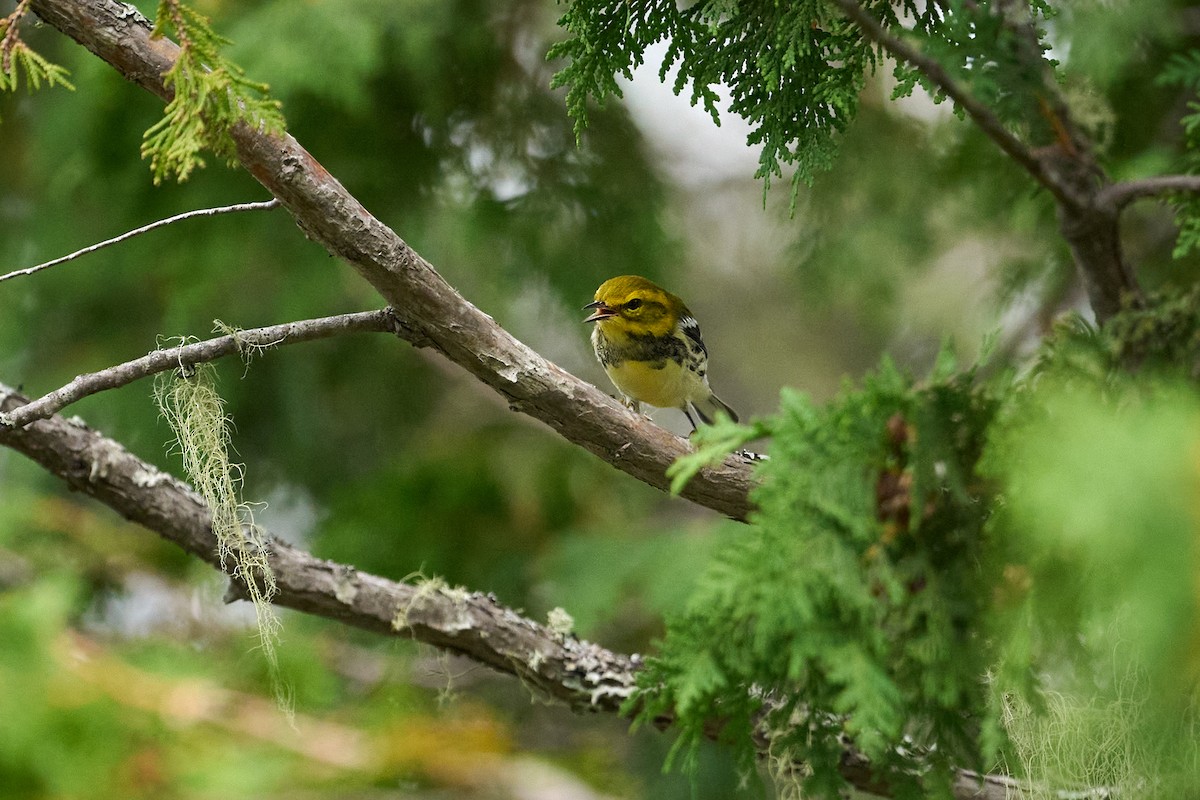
634 304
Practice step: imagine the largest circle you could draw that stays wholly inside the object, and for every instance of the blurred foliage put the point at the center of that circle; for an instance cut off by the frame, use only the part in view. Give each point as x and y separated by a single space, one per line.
1183 70
1098 609
1037 524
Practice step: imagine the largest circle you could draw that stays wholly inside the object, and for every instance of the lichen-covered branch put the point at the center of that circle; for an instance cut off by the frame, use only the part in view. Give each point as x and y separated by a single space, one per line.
428 310
581 674
187 355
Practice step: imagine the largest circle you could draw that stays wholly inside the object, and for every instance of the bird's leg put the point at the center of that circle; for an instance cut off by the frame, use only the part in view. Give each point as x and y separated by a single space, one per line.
687 414
635 406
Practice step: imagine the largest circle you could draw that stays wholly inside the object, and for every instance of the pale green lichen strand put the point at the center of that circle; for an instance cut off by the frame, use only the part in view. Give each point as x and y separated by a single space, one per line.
189 401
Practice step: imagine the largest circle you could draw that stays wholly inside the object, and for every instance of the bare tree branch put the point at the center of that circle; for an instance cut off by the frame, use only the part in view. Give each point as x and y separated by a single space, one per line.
186 355
429 311
1122 194
203 212
1067 169
987 121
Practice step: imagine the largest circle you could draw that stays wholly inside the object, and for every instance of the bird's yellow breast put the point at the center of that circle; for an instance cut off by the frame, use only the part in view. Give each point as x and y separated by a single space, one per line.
665 387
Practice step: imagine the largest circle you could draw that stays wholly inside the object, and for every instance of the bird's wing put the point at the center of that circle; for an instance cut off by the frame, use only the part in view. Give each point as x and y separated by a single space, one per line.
691 329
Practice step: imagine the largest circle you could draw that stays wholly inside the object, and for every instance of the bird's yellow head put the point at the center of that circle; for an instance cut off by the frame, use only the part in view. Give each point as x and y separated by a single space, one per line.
633 306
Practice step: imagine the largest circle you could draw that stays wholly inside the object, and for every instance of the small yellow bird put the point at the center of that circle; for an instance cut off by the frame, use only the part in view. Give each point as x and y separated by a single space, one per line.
650 346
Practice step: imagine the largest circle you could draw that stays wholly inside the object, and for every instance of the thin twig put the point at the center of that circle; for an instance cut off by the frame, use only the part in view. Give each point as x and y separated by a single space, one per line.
189 354
203 212
988 122
1123 193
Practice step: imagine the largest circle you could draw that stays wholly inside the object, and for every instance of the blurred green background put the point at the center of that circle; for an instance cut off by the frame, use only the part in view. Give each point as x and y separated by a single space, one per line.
123 675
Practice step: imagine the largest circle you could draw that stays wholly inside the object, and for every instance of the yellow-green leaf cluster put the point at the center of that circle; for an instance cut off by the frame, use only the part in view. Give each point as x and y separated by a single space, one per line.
18 60
211 96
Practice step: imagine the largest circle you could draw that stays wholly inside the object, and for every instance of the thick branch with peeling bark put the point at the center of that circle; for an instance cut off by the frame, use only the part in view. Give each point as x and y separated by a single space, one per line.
429 312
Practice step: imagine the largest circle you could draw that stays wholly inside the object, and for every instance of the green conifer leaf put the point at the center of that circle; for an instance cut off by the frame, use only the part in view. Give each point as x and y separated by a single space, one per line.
853 593
17 59
211 97
712 444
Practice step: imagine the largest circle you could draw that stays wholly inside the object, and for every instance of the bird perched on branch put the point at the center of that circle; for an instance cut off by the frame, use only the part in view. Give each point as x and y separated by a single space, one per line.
651 348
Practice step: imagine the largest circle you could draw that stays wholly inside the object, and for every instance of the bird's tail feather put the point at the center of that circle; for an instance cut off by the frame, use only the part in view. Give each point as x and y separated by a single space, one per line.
708 408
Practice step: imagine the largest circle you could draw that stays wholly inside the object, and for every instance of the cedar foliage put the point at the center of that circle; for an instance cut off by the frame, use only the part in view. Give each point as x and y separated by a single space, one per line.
993 574
962 572
852 604
942 573
211 96
21 63
794 70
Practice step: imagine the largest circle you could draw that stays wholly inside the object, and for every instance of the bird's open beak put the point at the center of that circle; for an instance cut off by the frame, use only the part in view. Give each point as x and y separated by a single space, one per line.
602 311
